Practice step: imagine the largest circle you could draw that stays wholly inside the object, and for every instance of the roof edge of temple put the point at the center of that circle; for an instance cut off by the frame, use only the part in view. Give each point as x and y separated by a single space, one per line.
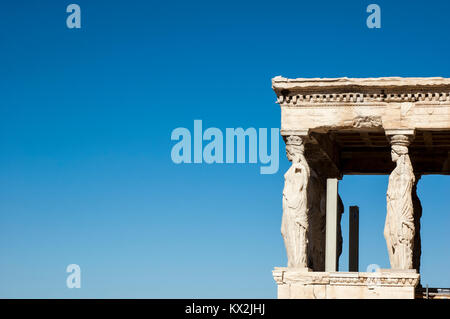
282 83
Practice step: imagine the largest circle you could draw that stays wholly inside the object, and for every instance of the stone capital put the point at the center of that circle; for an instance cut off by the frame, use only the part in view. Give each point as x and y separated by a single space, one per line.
407 132
400 137
302 133
400 140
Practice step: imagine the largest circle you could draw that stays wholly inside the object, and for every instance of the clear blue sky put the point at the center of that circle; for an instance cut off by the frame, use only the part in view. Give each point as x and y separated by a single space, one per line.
85 121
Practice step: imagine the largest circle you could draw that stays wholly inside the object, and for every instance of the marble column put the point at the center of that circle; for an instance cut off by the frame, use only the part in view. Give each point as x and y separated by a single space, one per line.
353 239
331 250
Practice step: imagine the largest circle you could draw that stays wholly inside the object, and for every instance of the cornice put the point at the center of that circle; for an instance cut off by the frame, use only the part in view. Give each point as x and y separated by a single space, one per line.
293 92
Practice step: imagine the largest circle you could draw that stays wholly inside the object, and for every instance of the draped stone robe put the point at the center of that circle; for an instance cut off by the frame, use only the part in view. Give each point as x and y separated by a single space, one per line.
399 227
294 224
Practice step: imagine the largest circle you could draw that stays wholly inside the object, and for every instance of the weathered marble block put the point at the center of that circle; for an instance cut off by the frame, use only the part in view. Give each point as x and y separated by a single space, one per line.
383 284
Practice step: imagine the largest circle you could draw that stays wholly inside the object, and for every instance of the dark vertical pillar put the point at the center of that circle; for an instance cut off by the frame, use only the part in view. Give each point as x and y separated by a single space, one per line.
353 239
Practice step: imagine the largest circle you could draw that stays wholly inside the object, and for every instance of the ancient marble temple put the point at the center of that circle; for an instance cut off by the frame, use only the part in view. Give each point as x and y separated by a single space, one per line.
332 127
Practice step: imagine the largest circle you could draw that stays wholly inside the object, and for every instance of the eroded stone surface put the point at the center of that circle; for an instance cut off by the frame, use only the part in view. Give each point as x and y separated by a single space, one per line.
295 284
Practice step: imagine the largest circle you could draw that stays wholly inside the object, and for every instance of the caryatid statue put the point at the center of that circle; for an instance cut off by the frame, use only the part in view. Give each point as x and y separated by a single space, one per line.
295 224
317 220
399 228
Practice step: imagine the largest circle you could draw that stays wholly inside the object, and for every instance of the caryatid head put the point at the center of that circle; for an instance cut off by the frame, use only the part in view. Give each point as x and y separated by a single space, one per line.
399 146
294 148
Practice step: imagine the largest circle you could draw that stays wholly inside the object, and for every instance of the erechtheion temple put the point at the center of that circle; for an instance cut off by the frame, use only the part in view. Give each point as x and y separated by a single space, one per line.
395 126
